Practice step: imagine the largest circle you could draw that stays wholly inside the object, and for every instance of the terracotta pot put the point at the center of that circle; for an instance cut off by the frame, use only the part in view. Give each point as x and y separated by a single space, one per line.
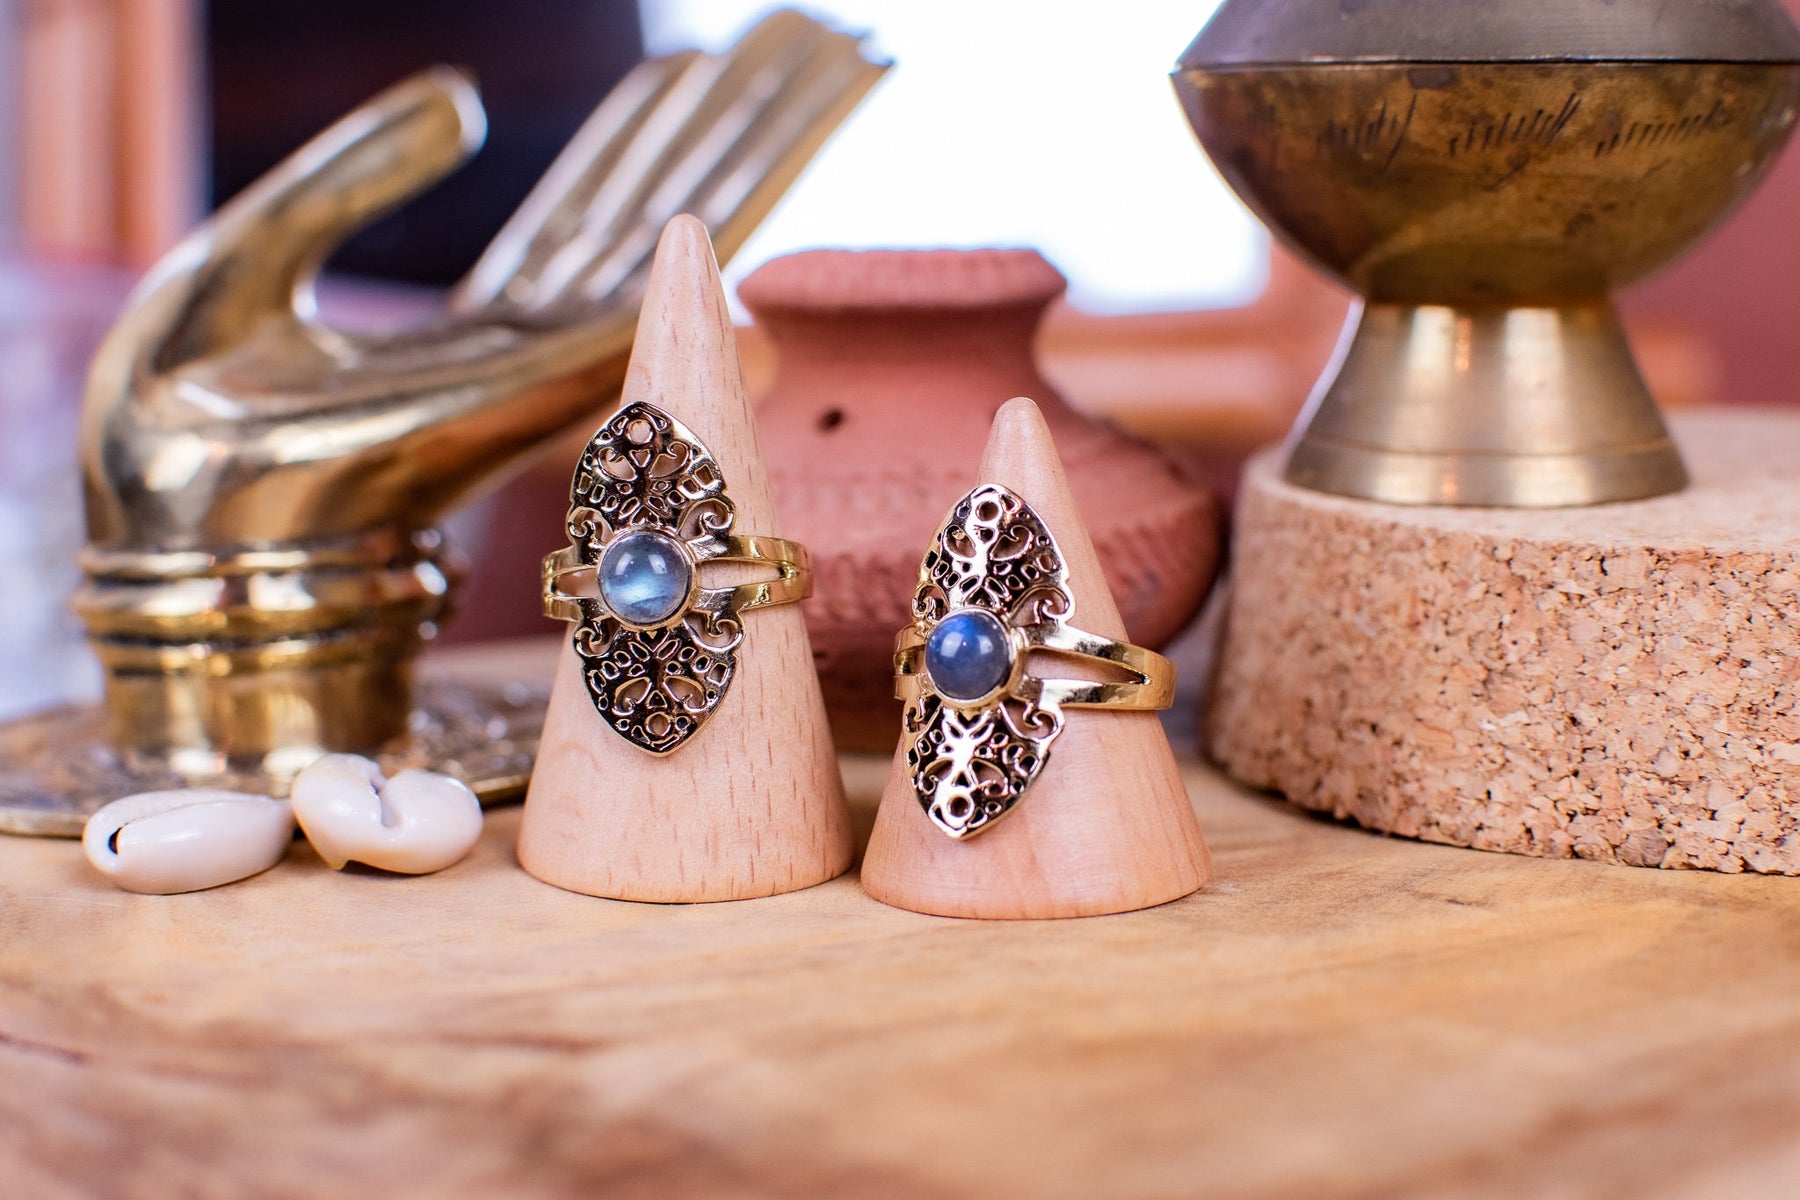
890 366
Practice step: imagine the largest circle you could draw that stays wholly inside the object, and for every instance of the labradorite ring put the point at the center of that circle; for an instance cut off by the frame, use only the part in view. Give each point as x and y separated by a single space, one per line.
648 509
993 594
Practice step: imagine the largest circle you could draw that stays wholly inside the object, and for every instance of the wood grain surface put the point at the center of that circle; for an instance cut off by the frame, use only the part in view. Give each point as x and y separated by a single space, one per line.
1335 1014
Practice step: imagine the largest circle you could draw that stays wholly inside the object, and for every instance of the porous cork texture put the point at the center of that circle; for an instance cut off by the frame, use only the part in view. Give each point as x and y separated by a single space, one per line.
1619 683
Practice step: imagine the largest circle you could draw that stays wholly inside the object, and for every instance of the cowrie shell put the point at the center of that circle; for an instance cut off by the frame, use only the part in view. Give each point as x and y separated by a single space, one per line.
186 840
415 823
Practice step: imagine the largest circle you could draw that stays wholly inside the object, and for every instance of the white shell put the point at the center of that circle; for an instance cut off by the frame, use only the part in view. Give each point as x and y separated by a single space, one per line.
186 840
414 824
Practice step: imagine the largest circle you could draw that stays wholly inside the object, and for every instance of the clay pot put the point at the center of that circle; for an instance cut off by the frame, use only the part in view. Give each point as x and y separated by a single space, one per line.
890 367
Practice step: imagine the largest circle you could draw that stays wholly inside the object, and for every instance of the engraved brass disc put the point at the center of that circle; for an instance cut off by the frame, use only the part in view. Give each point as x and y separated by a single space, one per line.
58 767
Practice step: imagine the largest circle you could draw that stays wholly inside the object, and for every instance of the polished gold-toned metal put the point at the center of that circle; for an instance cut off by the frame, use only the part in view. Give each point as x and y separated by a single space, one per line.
1297 32
1151 688
792 584
262 568
972 761
656 684
1485 176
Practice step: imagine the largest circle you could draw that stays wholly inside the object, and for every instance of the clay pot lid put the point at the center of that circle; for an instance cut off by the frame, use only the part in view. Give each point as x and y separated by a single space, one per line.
898 280
1246 33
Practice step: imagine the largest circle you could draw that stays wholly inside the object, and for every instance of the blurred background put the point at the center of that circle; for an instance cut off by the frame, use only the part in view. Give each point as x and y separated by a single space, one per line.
123 122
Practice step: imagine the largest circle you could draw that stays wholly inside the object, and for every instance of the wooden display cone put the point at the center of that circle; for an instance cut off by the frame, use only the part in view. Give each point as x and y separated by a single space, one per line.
1108 826
752 805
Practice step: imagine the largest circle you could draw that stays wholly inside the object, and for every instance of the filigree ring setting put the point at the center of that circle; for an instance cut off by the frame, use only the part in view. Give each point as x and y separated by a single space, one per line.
647 510
978 727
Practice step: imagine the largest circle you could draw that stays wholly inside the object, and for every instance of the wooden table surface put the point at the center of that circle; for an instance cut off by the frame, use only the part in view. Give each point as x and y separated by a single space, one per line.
1338 1014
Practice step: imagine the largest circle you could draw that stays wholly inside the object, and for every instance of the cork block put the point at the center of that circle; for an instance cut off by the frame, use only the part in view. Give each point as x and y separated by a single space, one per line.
1618 683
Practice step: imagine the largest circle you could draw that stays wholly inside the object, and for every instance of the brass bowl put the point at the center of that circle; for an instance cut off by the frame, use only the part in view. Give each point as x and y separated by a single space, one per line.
1485 211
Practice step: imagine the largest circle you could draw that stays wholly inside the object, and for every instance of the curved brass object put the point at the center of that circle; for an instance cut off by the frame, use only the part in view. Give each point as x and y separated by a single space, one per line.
262 566
1485 176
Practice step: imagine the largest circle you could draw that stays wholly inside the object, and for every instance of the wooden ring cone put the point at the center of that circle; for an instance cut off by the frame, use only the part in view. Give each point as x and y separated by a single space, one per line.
752 805
1108 826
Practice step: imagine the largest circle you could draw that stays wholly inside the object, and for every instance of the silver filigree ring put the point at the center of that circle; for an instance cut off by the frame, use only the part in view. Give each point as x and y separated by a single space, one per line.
994 589
647 509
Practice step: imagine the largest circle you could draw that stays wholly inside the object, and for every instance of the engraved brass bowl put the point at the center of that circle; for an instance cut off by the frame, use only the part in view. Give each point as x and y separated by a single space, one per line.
1485 177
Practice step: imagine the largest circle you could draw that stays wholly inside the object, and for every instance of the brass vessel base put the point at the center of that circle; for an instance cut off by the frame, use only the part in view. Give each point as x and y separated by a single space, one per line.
1507 407
58 767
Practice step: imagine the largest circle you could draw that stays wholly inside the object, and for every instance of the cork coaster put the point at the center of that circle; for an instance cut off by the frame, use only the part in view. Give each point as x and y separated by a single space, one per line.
1618 683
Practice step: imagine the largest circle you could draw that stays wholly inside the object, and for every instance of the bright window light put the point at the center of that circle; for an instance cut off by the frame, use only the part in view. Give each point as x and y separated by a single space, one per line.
1009 124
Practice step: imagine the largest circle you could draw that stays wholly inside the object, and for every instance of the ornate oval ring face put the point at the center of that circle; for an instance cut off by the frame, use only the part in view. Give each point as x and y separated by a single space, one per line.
647 506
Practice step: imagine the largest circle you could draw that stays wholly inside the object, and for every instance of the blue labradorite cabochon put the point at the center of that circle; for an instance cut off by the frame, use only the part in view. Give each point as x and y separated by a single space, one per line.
645 577
968 655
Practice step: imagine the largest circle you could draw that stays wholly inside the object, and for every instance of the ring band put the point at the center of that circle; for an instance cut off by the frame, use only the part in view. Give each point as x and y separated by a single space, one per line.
1152 690
648 508
979 727
793 584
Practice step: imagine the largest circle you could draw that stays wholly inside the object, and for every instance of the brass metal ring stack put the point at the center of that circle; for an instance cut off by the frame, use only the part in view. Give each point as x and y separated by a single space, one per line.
263 658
